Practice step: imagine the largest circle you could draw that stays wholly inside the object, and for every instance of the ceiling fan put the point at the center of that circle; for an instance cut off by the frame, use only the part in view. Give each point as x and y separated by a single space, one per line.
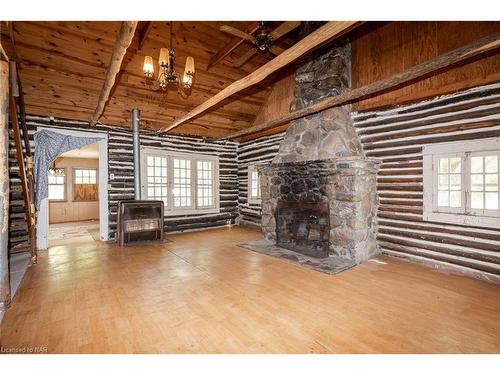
262 41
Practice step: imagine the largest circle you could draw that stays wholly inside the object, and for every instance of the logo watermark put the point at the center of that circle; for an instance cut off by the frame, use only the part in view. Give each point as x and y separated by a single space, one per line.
24 350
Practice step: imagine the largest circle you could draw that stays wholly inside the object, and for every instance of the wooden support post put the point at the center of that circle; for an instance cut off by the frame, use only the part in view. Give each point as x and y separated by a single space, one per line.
123 40
4 187
438 63
322 35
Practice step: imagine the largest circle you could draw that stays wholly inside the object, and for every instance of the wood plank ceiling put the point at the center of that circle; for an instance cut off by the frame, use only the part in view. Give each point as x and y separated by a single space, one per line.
63 65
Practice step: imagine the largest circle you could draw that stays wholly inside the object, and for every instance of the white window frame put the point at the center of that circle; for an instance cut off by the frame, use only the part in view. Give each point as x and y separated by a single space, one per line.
464 215
64 185
252 199
170 210
85 169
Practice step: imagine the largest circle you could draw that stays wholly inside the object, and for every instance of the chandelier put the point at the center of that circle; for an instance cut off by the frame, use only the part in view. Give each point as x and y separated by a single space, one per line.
166 74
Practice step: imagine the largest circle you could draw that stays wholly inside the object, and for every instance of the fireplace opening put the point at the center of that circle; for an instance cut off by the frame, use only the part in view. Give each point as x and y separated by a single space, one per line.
303 227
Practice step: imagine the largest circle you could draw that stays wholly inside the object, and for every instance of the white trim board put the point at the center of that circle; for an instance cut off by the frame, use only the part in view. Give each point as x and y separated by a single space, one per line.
43 214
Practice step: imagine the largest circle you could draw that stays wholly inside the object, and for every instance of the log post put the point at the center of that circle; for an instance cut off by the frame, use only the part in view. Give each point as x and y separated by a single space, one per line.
123 40
4 187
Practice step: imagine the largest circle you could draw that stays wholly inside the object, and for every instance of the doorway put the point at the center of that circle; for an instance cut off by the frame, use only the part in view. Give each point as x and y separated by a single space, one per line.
77 206
74 196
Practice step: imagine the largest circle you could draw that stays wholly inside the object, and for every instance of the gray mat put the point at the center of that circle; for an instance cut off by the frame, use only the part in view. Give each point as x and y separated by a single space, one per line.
331 265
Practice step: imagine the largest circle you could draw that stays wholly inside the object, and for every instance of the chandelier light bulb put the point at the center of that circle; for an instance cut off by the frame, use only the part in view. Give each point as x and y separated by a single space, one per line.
163 60
148 67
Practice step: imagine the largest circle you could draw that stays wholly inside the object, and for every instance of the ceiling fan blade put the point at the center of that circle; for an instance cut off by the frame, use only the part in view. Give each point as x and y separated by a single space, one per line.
243 59
275 50
283 29
235 32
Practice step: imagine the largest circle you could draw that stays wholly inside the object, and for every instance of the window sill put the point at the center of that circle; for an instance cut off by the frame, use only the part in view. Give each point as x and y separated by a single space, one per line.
191 211
254 201
461 219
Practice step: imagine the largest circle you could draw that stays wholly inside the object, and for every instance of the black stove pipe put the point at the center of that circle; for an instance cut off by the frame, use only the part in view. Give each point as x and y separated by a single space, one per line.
136 115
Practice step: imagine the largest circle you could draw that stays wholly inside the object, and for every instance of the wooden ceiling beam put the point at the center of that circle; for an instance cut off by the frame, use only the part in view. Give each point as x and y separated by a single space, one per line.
245 104
232 45
318 37
143 33
419 71
8 46
123 40
75 90
94 69
59 75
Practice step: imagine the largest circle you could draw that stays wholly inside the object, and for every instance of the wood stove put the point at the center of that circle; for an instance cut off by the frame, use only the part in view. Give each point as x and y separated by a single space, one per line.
139 221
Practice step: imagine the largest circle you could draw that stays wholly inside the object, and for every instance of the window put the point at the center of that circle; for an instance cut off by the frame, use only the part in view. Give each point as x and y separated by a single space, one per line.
157 179
205 170
57 184
253 185
450 186
85 176
85 184
461 182
186 183
182 183
484 182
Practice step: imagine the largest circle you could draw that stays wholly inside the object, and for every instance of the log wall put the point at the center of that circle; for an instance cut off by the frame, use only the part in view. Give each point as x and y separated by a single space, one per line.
258 151
120 164
396 137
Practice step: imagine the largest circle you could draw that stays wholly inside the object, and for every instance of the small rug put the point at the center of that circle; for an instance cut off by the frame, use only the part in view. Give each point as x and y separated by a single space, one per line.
331 265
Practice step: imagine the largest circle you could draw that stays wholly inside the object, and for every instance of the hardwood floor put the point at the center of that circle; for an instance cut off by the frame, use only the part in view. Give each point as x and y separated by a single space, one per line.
73 232
200 293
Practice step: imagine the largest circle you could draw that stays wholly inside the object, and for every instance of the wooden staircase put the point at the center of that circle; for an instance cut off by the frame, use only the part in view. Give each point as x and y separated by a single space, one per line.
22 223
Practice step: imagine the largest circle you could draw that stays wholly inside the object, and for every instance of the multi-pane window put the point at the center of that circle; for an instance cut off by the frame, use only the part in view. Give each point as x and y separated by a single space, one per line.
461 182
57 184
253 184
182 183
85 184
157 178
449 192
185 182
205 182
85 176
484 181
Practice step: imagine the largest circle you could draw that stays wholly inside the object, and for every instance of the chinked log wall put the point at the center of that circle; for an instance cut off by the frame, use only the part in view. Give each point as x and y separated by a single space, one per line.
120 164
254 152
396 137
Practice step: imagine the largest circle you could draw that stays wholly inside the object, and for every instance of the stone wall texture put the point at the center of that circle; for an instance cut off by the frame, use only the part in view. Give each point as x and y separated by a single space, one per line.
325 135
330 133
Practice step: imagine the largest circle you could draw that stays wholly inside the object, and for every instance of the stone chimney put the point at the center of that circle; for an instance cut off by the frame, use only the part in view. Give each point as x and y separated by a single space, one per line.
321 164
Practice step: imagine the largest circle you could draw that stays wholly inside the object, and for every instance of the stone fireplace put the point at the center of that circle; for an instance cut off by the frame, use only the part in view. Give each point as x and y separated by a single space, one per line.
319 193
322 208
